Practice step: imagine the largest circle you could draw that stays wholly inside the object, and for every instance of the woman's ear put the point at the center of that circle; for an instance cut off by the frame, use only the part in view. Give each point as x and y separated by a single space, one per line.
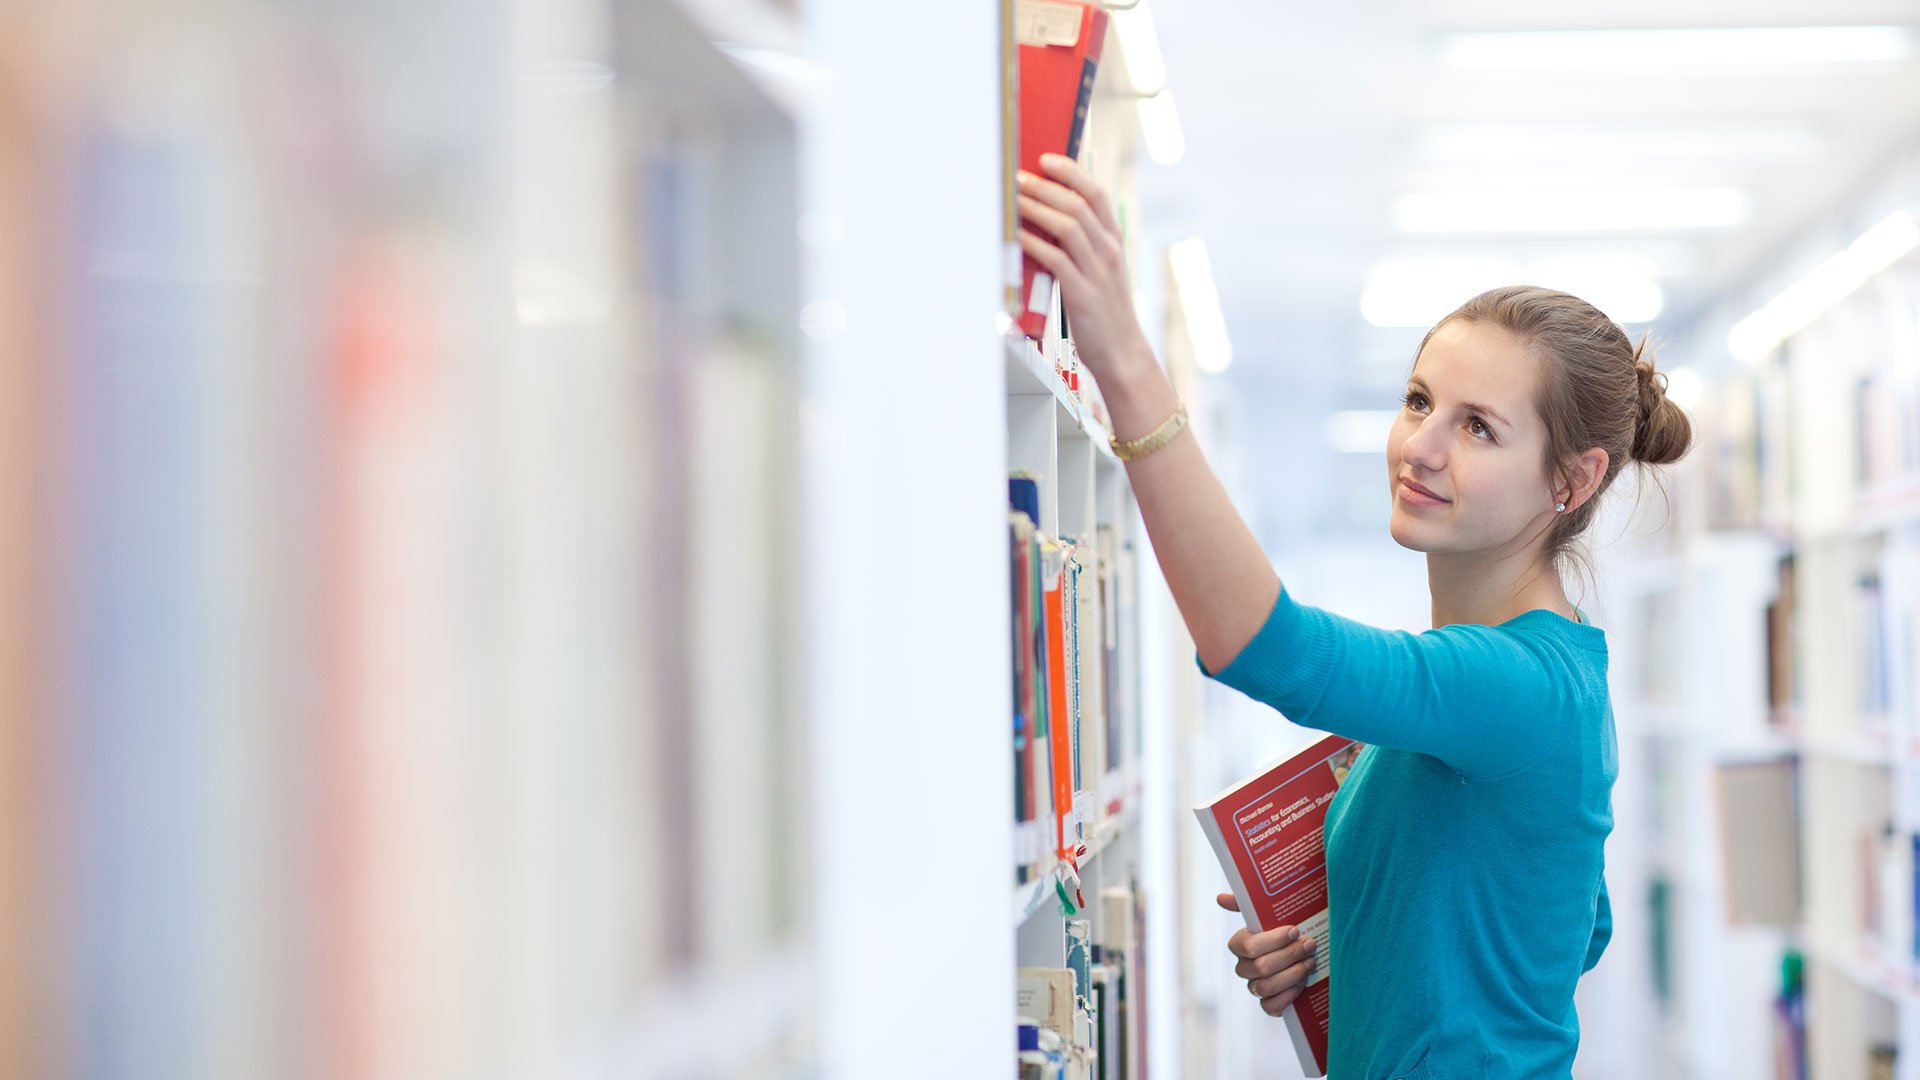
1582 477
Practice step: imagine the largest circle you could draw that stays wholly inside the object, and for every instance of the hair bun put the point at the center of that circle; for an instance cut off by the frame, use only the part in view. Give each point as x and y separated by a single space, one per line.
1661 431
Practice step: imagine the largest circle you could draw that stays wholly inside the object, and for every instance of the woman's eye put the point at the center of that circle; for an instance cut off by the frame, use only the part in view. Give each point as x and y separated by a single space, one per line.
1479 428
1416 401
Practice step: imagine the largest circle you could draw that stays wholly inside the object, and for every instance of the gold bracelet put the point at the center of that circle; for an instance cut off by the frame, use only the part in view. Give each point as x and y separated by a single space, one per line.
1134 449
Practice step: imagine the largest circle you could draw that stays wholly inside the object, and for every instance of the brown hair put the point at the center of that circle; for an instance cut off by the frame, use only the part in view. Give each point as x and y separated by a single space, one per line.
1596 389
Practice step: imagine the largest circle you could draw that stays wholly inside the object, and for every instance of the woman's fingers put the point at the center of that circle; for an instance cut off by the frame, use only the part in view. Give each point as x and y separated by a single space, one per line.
1068 231
1247 945
1266 964
1285 979
1047 255
1101 234
1277 1004
1069 173
1227 900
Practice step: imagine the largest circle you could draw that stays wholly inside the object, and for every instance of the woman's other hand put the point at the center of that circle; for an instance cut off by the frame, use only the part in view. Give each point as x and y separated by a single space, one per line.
1275 963
1069 227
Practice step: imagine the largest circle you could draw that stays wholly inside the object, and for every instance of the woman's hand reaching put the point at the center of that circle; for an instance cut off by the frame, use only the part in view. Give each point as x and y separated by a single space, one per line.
1275 963
1219 577
1086 254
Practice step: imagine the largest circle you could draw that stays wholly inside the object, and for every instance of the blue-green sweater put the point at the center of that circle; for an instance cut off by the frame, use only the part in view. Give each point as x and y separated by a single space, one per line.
1464 850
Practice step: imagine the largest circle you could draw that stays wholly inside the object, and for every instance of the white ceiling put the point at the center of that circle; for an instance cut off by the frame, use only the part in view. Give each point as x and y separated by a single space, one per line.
1304 121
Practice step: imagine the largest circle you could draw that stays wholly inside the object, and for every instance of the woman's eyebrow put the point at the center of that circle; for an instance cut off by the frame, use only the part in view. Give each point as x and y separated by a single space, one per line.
1470 406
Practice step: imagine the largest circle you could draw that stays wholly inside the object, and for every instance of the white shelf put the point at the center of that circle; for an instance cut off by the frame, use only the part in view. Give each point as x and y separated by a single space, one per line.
1887 506
1035 894
1871 971
1760 748
1030 374
1872 748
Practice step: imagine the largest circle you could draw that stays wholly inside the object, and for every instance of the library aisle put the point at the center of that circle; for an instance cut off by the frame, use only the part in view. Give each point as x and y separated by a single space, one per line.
564 538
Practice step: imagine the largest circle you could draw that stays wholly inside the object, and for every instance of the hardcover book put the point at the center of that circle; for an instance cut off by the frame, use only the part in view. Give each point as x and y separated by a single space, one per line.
1060 44
1267 832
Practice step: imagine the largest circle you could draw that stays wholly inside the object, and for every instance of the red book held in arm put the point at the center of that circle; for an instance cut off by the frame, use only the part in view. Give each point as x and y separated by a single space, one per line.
1060 46
1267 832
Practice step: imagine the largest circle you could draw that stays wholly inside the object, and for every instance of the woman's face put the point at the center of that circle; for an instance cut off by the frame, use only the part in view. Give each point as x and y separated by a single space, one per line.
1466 457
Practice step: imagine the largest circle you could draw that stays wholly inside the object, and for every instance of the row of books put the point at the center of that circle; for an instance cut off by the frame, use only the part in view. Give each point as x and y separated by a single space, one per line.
1886 613
1750 421
1744 450
1889 896
1076 731
1886 400
1087 1020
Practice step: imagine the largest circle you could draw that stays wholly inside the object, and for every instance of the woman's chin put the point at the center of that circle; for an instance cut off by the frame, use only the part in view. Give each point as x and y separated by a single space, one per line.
1407 532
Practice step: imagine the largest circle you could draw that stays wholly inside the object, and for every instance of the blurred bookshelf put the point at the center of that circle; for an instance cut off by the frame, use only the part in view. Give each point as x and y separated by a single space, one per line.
1767 698
416 689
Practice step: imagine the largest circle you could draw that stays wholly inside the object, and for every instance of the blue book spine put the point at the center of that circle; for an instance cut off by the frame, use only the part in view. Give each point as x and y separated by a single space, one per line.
1023 492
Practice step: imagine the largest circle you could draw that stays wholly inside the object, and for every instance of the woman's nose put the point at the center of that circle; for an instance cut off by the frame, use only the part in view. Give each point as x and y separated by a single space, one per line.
1425 447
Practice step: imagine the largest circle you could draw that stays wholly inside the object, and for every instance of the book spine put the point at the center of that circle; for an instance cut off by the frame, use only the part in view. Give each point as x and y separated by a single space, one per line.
1082 102
1060 735
1076 698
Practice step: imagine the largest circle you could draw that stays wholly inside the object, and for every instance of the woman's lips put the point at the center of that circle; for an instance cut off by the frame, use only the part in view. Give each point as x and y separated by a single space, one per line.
1416 495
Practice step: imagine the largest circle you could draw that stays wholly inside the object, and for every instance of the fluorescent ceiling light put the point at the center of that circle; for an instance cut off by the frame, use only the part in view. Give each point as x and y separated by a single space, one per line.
1160 128
1140 48
1360 431
1200 304
1618 143
1824 286
1625 288
1572 210
1683 50
1421 292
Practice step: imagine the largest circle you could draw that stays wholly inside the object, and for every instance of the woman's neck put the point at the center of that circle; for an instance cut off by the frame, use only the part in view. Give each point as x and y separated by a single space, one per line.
1490 587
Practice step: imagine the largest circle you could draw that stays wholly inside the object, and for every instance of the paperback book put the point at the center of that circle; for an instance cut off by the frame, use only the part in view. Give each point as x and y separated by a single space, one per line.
1267 832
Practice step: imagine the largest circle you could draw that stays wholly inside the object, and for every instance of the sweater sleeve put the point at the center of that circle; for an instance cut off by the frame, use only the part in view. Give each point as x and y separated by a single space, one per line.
1602 928
1476 697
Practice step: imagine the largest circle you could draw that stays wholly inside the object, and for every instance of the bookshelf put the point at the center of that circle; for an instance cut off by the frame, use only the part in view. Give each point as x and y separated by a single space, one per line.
1688 672
385 366
1776 623
1052 437
1056 433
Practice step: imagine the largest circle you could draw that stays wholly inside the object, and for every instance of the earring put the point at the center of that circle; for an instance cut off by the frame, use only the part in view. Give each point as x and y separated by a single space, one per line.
1559 508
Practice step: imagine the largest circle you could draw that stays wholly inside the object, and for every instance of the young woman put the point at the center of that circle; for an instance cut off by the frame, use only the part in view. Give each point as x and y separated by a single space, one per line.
1464 849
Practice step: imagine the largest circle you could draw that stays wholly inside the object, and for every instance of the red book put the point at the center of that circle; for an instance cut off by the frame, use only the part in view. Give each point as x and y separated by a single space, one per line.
1267 832
1059 46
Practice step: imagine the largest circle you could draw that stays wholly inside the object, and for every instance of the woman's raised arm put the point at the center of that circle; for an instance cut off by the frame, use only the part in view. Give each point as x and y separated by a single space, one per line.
1223 583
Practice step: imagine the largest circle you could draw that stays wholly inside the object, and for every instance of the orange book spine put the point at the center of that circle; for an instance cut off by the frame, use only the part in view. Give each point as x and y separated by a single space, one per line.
1059 727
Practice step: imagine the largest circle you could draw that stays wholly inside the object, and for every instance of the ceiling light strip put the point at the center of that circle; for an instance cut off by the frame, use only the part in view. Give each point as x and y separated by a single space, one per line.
1825 285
